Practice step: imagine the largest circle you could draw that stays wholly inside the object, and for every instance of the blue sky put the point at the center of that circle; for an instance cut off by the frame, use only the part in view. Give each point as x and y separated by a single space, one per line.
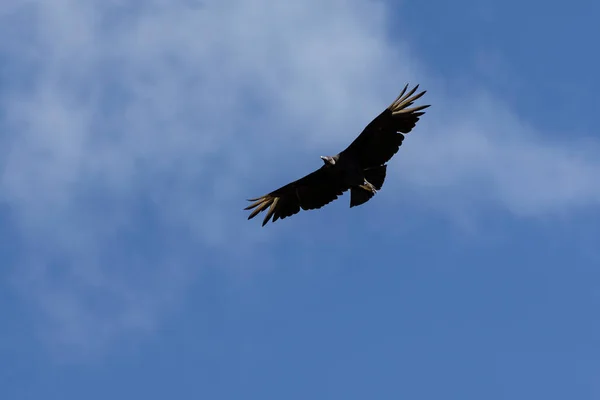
132 133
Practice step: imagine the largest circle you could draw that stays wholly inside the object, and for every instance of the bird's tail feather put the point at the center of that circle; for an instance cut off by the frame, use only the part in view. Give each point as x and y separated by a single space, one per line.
376 175
360 195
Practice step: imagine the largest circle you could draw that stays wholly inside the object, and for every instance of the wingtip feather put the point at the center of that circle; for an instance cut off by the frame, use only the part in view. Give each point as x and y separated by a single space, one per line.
271 210
403 102
260 207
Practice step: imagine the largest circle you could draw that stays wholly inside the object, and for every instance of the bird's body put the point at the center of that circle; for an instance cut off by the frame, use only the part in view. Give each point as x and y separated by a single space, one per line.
348 172
360 168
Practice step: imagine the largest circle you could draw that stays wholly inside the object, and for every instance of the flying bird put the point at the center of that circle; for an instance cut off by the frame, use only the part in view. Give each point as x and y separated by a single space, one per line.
360 168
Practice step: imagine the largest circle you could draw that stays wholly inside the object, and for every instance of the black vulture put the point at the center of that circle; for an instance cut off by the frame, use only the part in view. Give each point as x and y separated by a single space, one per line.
360 168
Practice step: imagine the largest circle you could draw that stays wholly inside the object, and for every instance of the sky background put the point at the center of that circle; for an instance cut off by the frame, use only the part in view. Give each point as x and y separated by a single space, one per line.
131 133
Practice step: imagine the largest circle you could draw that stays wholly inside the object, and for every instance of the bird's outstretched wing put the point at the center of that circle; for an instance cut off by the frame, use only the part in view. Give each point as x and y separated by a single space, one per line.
310 192
382 138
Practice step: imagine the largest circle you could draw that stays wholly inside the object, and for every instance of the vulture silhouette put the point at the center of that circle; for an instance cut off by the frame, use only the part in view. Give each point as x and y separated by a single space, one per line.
360 168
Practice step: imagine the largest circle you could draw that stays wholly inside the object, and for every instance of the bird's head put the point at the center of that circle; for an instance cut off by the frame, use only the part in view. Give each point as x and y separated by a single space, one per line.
328 160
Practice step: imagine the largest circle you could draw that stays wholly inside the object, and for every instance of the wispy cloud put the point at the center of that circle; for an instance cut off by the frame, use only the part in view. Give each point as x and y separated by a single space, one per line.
137 129
478 150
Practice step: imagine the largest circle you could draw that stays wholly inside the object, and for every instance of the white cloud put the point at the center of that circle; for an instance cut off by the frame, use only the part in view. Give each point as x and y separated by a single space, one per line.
120 107
482 152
